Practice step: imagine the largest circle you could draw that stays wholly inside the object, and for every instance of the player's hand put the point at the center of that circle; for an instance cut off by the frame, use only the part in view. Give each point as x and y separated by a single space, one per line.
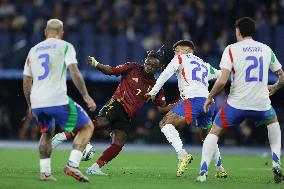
272 90
149 97
29 114
92 61
207 104
91 103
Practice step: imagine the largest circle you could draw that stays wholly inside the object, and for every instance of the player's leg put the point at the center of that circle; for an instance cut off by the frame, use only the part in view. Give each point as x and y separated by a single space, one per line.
208 150
72 116
99 122
226 117
220 171
119 122
178 117
274 137
168 127
204 122
46 124
119 138
82 138
61 137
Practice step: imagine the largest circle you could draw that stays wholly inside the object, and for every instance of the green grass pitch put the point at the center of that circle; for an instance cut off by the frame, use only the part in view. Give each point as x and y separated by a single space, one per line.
19 169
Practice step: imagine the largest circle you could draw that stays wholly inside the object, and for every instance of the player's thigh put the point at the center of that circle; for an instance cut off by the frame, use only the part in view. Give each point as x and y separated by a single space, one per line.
229 116
265 117
174 119
108 113
71 116
204 120
45 121
216 130
102 122
202 133
119 137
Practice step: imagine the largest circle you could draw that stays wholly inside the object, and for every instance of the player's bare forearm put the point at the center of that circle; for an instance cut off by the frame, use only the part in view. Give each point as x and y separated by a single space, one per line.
220 83
106 69
78 80
280 83
80 83
218 86
27 87
166 109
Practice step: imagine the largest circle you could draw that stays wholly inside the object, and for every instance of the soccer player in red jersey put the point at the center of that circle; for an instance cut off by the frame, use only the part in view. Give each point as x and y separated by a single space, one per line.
136 81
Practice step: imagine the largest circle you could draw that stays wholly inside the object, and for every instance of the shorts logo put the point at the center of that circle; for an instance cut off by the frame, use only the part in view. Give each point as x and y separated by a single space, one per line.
135 79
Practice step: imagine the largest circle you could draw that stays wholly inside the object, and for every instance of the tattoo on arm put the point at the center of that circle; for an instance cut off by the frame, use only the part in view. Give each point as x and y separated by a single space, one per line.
27 87
280 83
78 80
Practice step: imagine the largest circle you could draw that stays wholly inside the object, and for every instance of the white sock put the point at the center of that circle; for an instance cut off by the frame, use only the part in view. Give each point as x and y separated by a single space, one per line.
274 136
208 150
45 165
181 154
172 136
95 166
218 159
75 158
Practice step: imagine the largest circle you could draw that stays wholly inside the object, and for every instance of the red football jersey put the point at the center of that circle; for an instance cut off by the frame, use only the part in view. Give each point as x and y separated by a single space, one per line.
133 87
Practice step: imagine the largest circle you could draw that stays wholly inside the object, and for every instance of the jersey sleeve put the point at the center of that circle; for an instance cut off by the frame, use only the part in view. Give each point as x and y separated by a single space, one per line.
160 99
165 75
70 54
27 67
213 73
274 63
227 59
121 69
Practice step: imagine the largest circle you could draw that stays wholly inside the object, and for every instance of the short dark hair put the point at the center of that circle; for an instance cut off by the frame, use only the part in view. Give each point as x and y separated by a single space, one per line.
154 54
184 43
246 25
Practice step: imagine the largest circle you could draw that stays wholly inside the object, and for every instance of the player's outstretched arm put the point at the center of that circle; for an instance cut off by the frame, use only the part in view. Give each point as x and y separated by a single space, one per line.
106 69
279 84
81 86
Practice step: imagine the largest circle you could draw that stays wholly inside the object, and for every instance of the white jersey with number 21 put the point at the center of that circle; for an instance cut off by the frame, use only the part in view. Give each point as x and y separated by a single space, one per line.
249 62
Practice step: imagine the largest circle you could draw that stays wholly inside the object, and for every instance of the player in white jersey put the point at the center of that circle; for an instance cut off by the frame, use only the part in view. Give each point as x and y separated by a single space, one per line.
44 86
248 61
193 75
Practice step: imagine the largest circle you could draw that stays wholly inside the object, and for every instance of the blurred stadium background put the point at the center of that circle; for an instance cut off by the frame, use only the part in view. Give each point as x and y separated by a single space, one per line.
116 31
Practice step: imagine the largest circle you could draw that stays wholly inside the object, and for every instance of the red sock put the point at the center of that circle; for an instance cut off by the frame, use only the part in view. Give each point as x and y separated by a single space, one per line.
72 134
109 154
75 131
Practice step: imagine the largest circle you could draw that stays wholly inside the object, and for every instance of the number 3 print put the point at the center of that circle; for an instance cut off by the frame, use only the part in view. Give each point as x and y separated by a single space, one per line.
44 64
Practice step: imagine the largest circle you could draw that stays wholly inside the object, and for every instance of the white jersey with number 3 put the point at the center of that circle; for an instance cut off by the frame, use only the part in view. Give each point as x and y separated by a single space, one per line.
193 75
249 62
46 64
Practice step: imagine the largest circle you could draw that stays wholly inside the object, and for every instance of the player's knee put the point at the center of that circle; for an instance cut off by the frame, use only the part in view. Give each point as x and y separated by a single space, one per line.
102 122
274 120
216 130
91 127
119 137
163 122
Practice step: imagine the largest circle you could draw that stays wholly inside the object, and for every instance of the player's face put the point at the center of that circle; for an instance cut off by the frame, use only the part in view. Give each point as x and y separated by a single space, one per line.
181 50
152 65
